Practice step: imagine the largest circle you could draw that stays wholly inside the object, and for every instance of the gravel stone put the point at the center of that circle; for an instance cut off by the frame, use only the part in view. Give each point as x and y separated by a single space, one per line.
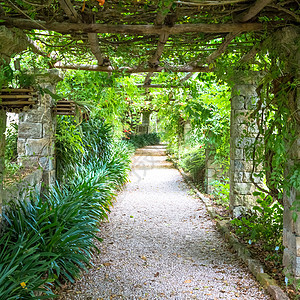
160 243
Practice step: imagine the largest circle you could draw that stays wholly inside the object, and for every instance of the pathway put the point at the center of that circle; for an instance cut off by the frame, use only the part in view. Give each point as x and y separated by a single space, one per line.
160 243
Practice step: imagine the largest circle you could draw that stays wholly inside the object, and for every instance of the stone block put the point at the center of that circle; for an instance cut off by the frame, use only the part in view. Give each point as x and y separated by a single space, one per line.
236 199
49 130
33 116
242 142
238 177
30 130
210 173
289 260
21 147
238 102
255 176
238 153
242 188
296 225
28 162
251 101
238 165
249 201
288 223
37 147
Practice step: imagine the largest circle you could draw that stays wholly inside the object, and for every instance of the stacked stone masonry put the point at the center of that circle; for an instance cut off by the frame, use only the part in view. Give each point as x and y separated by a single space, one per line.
287 42
36 138
243 132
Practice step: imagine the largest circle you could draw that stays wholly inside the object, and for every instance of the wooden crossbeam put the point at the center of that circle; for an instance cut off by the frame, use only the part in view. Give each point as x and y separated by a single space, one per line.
67 28
132 70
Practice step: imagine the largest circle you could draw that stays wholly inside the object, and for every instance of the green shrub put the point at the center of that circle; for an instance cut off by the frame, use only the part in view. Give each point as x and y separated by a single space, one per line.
193 162
11 141
221 191
22 267
142 140
263 225
51 239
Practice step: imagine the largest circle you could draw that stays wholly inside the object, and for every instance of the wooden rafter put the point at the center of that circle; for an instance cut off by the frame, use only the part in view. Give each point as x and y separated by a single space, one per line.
252 12
160 18
67 28
67 6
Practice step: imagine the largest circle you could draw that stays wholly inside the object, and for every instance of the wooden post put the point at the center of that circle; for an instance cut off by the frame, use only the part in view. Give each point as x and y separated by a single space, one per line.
2 155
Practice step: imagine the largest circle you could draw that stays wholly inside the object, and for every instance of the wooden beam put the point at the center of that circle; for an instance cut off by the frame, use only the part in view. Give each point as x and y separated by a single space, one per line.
68 28
132 70
160 86
228 38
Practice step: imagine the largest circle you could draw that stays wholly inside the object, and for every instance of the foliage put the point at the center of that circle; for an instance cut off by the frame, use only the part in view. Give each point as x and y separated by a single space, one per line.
58 230
221 189
21 272
11 141
264 224
193 161
68 146
142 140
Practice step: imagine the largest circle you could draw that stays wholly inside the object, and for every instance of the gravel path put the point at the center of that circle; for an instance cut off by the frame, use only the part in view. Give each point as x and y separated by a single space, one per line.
160 243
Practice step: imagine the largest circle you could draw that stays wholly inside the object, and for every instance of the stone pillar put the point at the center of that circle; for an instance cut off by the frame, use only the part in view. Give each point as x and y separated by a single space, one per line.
37 128
2 155
242 136
12 41
210 168
186 131
287 43
144 128
213 169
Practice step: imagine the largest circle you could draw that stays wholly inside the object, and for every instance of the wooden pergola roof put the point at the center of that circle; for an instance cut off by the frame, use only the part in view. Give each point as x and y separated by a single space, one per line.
146 36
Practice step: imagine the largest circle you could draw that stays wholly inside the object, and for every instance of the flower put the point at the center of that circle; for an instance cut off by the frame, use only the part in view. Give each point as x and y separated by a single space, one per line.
23 284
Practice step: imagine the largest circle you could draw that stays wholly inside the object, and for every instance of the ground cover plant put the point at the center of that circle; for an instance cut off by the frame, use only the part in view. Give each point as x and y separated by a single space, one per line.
49 240
142 140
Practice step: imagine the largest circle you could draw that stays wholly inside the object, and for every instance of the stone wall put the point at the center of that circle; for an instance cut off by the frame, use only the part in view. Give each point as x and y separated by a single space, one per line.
242 136
20 190
37 128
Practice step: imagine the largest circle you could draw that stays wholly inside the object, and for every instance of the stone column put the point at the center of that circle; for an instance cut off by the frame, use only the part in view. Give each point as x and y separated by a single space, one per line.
37 128
242 136
186 131
144 128
12 41
2 155
287 43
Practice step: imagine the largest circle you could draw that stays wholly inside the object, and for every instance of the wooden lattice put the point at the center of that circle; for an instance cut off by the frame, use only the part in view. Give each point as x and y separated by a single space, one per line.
18 100
65 107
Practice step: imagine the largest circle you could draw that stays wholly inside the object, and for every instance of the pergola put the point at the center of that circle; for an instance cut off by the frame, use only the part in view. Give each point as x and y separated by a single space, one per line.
188 36
143 36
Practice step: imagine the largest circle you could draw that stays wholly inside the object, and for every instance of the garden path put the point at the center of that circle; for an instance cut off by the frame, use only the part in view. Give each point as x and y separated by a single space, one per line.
160 243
